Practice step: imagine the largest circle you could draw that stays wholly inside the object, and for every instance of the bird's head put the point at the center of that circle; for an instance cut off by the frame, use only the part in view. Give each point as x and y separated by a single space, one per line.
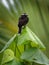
24 14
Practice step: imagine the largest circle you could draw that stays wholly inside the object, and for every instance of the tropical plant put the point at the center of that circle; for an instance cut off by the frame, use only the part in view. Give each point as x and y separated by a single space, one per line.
27 50
10 10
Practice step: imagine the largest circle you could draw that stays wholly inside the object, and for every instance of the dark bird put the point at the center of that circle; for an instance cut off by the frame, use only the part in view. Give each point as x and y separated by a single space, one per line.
23 20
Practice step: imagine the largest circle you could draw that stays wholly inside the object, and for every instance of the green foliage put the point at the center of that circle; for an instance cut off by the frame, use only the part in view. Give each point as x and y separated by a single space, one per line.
8 56
38 12
35 55
13 62
8 43
28 36
32 53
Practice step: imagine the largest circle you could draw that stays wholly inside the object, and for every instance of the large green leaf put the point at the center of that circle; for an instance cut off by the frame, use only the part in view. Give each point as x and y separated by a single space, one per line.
35 55
27 36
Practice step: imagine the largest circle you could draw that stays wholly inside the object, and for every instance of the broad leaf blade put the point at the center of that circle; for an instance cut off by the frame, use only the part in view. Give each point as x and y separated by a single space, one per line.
28 35
35 55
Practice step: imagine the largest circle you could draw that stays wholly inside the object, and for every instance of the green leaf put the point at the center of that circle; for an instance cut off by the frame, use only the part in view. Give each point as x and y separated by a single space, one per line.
35 55
7 56
13 62
28 36
8 43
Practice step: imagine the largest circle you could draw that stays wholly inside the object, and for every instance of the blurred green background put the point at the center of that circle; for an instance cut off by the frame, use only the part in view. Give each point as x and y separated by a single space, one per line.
38 13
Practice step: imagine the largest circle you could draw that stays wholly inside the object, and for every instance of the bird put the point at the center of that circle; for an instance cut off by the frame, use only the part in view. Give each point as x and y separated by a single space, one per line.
23 20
